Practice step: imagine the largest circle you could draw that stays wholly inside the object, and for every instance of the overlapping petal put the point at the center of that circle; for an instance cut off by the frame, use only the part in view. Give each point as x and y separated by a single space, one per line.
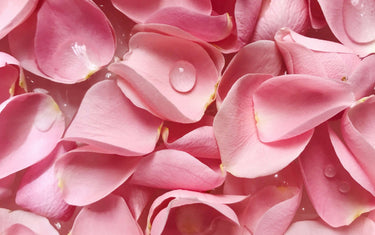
30 125
10 73
108 120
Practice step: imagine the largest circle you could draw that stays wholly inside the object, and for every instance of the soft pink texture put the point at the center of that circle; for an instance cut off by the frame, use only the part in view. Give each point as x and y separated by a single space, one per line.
357 128
362 225
258 57
25 120
304 55
22 221
352 22
174 169
177 212
108 120
10 72
85 176
287 106
242 152
150 88
110 215
13 13
276 14
337 198
47 200
59 41
199 142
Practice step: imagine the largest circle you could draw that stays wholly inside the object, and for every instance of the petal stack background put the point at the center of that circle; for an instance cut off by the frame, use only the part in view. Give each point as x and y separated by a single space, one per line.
187 117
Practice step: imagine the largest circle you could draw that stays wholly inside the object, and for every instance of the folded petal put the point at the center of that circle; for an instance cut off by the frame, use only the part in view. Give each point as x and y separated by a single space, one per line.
242 152
39 191
352 22
11 15
108 120
316 15
337 198
176 85
23 221
173 169
257 57
85 176
290 105
25 120
110 215
67 37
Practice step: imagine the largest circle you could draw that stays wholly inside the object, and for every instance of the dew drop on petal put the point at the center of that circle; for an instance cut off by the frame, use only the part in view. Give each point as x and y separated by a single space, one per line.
182 76
57 225
330 171
108 75
344 187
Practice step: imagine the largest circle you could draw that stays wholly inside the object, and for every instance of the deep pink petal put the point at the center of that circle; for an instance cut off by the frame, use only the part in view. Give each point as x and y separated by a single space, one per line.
317 19
337 198
85 176
67 37
25 120
242 153
290 105
108 120
110 215
173 169
176 85
11 15
10 72
39 192
6 186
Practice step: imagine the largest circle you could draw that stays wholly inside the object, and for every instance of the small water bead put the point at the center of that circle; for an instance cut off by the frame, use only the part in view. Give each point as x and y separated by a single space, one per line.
182 76
330 171
108 75
57 225
344 187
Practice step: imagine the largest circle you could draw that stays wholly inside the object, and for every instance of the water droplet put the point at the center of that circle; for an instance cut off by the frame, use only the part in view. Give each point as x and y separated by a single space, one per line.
46 118
40 90
65 105
182 76
108 75
303 209
276 176
58 225
330 171
344 187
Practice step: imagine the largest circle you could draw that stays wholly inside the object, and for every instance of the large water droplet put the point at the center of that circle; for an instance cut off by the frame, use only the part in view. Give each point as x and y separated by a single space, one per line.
182 76
330 171
344 187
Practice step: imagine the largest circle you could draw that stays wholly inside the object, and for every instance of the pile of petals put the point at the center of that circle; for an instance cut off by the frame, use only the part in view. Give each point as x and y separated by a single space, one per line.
238 117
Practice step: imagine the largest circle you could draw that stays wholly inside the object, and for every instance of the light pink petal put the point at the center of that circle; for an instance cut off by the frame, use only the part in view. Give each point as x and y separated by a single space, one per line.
86 176
176 85
25 120
110 215
38 190
67 37
276 14
13 13
141 10
206 27
337 198
290 105
10 72
242 153
271 210
362 79
173 169
19 229
257 57
37 224
362 225
107 119
200 142
357 128
352 22
356 168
